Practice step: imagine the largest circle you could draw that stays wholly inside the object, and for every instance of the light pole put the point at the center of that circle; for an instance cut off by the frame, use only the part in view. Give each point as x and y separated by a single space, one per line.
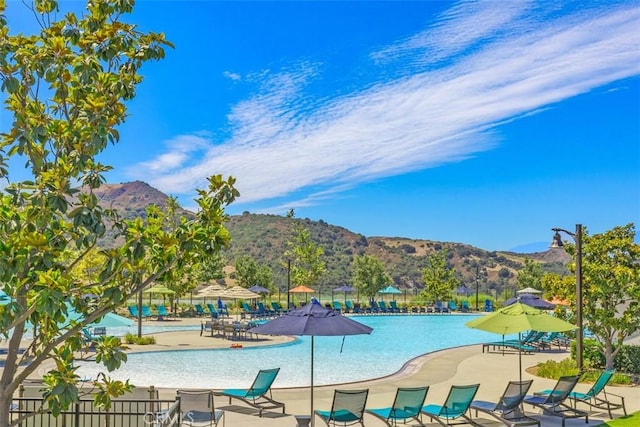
557 243
477 284
288 282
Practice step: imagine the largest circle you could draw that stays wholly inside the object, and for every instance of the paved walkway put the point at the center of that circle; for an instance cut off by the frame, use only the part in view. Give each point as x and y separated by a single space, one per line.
439 370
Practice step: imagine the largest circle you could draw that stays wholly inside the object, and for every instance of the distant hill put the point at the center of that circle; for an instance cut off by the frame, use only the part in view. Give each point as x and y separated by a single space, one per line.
264 238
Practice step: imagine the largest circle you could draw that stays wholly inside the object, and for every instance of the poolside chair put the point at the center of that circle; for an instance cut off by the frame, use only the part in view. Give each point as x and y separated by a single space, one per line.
453 306
455 406
199 310
406 405
508 408
162 311
277 307
212 310
382 307
256 395
464 307
395 308
146 311
551 402
337 306
349 305
347 408
133 311
197 408
597 396
488 305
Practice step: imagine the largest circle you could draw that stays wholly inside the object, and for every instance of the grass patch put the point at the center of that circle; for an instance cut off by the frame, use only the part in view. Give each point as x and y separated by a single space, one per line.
631 420
144 340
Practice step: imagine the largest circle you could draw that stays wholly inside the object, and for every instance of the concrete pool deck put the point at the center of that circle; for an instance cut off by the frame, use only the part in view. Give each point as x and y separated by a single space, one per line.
438 370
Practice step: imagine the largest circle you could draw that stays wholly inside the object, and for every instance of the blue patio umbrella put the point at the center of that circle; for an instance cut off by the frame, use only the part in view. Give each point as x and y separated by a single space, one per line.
312 320
259 289
345 289
532 301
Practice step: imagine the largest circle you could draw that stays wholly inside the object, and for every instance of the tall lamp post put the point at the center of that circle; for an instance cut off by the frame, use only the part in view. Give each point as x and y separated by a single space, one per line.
557 243
477 284
288 282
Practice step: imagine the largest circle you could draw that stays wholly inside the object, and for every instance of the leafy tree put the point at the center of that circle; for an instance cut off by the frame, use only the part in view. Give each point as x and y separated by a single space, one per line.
369 276
530 275
250 273
610 287
209 269
439 279
305 255
67 88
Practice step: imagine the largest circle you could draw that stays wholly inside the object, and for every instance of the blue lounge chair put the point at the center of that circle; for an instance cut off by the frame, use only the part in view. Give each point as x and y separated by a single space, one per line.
406 405
212 310
455 406
488 305
277 307
259 394
200 310
349 305
597 396
133 311
382 307
395 309
337 306
162 311
508 408
453 306
198 408
146 311
347 408
464 307
552 401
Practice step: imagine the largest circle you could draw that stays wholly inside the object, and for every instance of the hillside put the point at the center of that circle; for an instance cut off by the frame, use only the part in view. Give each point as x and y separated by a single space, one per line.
264 238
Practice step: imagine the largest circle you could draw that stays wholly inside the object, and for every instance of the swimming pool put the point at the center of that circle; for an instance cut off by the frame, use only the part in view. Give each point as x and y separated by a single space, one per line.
394 341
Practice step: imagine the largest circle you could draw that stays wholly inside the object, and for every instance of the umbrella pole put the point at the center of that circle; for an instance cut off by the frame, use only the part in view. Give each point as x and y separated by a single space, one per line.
520 356
313 423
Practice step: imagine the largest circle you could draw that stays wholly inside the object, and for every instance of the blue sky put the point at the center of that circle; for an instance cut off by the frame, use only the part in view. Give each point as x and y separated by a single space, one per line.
485 123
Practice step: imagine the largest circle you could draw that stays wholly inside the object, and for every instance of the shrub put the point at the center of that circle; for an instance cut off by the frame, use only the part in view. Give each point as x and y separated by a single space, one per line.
627 360
144 340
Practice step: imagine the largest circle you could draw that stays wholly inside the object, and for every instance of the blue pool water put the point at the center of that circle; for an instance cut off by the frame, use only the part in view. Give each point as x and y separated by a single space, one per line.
394 341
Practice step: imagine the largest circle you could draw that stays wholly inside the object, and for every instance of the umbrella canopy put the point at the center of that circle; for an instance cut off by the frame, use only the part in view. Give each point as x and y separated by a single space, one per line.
211 291
238 292
344 288
312 320
532 301
517 318
463 290
259 289
301 289
529 290
390 290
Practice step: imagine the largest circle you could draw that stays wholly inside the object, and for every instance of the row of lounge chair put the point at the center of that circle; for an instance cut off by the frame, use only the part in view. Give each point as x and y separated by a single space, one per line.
533 341
212 311
161 312
349 406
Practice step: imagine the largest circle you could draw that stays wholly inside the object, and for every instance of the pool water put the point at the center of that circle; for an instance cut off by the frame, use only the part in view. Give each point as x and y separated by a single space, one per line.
394 341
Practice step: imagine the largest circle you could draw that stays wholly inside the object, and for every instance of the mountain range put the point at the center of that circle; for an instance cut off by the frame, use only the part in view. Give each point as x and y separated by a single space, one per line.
264 238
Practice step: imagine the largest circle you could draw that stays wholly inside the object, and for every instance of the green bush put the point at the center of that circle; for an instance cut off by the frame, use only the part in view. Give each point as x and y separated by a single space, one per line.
144 340
627 360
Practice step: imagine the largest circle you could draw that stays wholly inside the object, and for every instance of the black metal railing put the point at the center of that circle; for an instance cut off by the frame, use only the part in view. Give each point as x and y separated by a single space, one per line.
122 413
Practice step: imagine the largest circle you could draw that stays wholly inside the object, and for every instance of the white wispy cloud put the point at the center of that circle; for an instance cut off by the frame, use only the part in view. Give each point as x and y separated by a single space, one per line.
480 65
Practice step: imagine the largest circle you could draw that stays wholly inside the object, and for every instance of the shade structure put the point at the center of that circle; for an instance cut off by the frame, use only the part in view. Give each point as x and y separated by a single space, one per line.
463 290
390 290
238 292
345 289
211 291
301 289
532 301
259 289
312 320
529 290
517 318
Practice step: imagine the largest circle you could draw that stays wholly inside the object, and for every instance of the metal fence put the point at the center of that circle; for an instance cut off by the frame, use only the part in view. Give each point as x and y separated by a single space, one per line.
122 413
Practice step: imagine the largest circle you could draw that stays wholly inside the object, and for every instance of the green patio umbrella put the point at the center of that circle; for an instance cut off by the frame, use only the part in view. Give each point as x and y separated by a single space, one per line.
517 318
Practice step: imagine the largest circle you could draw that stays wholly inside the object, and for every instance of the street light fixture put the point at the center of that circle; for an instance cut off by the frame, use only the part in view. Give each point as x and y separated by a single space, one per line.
557 243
